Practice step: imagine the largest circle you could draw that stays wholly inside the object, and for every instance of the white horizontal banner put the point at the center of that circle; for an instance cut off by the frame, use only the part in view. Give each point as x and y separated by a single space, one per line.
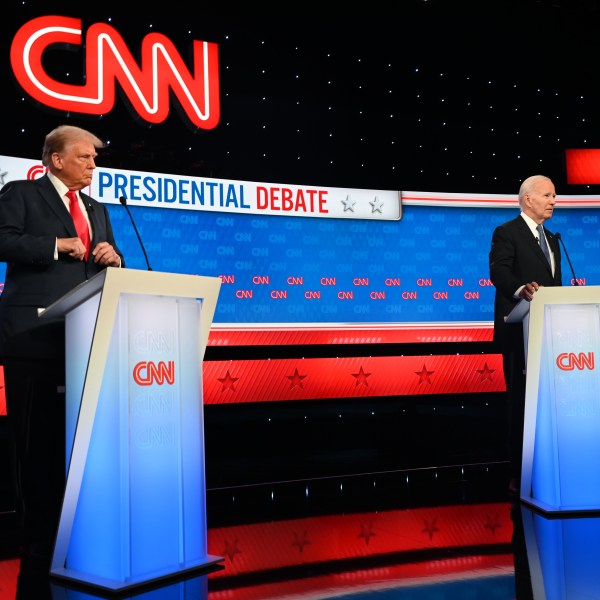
156 190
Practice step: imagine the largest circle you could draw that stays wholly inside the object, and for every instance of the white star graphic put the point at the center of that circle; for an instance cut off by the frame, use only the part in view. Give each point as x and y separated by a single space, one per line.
348 204
377 205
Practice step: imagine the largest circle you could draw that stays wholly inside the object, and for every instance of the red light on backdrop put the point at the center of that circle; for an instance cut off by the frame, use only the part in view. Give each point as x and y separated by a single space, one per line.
583 166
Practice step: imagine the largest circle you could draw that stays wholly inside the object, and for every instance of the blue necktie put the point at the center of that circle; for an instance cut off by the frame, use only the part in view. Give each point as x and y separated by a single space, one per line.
543 244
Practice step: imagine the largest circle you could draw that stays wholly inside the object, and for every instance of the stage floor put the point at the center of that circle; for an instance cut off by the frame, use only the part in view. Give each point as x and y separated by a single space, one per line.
452 532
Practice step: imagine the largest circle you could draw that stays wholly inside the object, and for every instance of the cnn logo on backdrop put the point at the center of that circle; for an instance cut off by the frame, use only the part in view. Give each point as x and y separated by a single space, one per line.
109 62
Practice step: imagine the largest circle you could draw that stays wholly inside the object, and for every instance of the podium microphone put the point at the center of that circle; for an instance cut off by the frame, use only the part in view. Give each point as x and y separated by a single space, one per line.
559 238
123 201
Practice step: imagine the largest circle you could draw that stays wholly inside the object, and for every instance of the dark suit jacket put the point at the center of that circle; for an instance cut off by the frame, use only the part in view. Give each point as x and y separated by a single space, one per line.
515 259
32 216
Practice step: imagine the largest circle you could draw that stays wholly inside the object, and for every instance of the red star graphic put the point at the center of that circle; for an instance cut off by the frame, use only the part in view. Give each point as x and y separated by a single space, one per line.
492 523
366 531
430 528
300 541
424 374
296 380
486 373
228 382
231 549
361 377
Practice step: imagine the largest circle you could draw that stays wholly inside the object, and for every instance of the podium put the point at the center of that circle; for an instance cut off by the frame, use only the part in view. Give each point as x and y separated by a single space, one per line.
134 508
561 437
562 553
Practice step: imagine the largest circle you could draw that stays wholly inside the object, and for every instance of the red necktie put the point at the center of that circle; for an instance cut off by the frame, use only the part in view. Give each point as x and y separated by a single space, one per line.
83 231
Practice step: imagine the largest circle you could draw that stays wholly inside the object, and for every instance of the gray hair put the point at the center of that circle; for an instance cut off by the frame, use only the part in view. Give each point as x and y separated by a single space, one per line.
529 184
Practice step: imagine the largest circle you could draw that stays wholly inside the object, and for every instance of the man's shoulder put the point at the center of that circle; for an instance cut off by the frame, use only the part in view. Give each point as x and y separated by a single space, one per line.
512 223
19 184
10 185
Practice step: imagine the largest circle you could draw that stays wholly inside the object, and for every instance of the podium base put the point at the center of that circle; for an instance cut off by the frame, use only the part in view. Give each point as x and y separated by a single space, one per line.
549 511
162 577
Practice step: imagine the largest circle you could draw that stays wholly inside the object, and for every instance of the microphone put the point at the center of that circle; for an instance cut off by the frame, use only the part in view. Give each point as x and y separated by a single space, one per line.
123 201
559 238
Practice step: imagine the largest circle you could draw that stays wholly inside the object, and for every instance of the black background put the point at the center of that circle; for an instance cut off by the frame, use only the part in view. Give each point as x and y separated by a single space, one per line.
430 96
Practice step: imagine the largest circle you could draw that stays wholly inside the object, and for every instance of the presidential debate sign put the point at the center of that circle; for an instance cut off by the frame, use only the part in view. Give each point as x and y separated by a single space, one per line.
296 257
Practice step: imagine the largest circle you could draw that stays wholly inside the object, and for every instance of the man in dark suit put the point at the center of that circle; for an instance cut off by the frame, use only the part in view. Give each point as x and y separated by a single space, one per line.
45 258
518 268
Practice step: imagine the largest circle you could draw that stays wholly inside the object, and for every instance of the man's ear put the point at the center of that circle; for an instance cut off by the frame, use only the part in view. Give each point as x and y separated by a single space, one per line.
56 161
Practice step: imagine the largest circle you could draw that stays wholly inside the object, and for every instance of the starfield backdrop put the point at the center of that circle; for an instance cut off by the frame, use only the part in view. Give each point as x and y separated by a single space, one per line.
449 106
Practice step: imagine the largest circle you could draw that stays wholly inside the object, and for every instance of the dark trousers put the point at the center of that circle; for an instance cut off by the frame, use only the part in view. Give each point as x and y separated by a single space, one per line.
35 403
514 375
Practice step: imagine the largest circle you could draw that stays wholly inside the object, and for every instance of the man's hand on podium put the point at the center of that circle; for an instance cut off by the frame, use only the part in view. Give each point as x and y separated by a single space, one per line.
529 290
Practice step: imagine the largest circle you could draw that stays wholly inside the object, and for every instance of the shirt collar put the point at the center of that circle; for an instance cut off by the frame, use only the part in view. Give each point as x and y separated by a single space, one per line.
531 223
61 188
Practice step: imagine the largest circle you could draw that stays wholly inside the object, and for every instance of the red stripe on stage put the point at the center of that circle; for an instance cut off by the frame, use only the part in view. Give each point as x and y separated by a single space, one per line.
347 333
277 544
235 381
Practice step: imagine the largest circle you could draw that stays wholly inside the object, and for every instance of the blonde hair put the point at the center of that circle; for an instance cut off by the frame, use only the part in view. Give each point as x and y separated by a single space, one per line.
58 139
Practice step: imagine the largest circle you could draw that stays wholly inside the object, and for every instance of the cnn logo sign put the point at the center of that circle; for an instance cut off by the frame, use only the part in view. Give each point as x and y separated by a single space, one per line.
148 373
569 361
108 61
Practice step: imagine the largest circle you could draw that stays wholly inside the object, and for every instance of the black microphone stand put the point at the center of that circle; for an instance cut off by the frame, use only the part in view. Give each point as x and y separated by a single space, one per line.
559 238
123 201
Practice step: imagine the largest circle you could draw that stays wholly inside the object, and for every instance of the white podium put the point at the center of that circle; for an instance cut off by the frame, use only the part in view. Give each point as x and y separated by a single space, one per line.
134 506
561 439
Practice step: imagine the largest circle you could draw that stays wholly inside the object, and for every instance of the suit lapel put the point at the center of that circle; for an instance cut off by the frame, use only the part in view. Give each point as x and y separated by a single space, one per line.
531 239
51 197
92 216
